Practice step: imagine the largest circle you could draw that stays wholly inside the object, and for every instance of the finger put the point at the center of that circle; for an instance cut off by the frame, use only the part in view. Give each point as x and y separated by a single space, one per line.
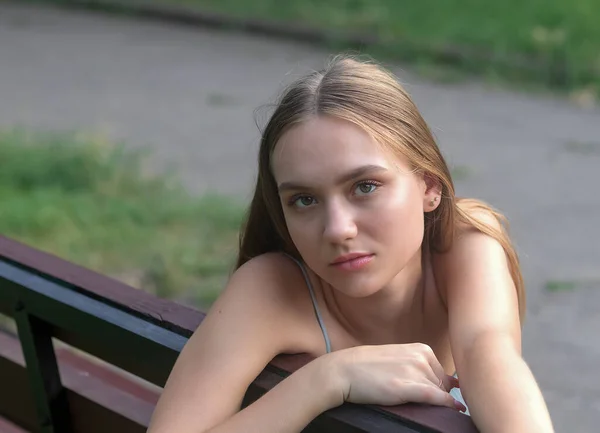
428 394
448 383
453 381
439 377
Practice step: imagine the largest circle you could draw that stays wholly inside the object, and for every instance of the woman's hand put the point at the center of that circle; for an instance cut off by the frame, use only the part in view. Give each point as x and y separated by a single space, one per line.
392 374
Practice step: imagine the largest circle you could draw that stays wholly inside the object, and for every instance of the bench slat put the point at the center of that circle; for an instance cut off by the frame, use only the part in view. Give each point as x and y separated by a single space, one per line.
100 401
8 427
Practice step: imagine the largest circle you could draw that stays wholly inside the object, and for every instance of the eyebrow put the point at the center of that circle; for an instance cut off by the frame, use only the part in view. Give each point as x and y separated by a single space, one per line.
352 174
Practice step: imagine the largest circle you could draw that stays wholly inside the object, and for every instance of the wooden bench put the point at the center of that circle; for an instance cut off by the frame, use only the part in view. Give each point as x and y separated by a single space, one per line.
65 313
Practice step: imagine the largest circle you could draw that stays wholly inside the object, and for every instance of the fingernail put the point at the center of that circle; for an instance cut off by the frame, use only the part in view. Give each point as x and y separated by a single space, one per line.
459 406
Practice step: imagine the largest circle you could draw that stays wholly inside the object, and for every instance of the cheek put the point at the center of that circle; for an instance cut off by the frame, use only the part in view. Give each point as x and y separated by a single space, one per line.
301 235
307 241
298 237
401 224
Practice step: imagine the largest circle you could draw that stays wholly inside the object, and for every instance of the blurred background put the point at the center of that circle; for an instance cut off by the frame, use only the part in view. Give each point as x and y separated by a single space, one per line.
129 132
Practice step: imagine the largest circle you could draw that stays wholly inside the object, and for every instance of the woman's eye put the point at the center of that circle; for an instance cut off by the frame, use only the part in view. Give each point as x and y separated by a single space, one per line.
366 187
303 201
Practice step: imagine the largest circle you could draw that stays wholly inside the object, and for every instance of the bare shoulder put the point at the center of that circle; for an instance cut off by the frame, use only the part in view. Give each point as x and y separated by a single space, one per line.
255 318
266 283
469 243
475 281
271 285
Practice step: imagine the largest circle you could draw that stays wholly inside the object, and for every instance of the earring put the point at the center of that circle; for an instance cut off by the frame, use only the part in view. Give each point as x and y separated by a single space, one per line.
433 201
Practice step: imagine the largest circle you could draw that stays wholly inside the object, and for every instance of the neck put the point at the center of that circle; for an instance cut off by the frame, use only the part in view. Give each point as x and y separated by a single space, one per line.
392 311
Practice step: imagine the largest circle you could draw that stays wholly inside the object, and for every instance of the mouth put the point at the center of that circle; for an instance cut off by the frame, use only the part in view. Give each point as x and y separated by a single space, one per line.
352 262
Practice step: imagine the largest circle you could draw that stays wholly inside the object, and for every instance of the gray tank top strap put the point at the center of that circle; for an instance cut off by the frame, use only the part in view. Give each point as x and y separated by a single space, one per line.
314 302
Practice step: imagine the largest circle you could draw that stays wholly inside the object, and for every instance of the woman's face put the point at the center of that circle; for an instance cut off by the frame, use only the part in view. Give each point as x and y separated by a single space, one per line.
342 194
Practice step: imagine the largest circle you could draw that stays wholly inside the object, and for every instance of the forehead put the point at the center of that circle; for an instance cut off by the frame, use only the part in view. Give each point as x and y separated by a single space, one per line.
322 147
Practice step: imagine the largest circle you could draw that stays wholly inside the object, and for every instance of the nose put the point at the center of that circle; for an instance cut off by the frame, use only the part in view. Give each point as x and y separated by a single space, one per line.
340 224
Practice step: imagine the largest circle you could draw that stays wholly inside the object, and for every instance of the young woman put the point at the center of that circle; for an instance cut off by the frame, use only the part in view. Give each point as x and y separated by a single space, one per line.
356 250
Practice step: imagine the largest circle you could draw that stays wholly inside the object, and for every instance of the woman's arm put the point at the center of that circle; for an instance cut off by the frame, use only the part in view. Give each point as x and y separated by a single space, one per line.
500 389
485 336
250 323
288 407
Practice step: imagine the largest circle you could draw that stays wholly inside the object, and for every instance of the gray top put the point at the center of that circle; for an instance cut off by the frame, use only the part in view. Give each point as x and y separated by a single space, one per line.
315 306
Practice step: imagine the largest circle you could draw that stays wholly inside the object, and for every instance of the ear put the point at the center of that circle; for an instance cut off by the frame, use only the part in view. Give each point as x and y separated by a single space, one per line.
432 194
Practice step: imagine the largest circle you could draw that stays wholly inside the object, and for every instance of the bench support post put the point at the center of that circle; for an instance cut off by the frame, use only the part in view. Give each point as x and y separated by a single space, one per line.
42 370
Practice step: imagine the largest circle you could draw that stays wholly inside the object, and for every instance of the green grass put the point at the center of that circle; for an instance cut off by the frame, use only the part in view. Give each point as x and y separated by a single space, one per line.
561 37
560 286
461 172
582 147
93 203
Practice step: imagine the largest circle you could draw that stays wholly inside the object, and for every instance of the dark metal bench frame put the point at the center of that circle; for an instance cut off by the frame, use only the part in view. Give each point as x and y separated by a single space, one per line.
51 298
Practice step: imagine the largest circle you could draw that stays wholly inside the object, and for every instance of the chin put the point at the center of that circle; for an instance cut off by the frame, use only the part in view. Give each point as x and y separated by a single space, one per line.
356 286
359 294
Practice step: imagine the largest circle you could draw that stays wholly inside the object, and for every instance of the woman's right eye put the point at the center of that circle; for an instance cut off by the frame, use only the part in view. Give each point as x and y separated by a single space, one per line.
302 201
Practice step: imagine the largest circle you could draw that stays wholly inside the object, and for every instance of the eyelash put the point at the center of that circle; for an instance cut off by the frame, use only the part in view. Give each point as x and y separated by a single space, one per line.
292 201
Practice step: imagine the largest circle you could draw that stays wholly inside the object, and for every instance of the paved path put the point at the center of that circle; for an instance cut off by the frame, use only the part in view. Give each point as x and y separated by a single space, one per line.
190 95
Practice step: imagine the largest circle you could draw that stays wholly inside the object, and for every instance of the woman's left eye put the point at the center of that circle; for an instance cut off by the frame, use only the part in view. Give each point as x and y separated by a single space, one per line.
366 187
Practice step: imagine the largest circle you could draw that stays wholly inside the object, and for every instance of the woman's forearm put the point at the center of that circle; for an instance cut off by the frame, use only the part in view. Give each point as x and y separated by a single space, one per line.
500 389
289 406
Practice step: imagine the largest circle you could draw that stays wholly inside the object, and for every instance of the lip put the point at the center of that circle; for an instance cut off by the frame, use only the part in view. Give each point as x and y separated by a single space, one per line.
348 257
352 262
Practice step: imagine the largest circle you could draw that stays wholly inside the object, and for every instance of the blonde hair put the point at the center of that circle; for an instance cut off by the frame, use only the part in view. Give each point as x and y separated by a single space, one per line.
369 96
